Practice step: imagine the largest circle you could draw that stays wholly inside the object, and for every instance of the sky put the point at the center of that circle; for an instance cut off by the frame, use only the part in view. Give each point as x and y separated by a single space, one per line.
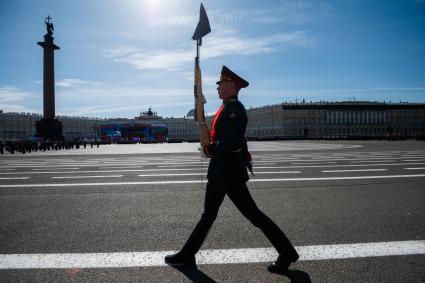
119 57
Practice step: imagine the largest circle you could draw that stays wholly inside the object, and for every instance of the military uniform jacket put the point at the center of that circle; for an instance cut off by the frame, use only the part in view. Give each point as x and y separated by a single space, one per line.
228 161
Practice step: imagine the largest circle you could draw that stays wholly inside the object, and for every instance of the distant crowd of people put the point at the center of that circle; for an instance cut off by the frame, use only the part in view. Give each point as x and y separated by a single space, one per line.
24 146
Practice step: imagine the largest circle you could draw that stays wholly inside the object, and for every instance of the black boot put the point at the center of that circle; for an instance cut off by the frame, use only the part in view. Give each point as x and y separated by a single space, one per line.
280 266
180 259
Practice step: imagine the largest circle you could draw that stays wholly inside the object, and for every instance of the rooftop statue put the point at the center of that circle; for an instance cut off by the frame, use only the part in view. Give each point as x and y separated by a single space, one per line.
49 25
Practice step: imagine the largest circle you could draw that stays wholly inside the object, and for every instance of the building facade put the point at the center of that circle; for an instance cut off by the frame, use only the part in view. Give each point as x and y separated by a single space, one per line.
319 120
325 120
21 126
17 126
182 129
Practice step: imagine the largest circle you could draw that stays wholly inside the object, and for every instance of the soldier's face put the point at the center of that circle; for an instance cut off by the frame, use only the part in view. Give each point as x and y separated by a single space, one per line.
226 89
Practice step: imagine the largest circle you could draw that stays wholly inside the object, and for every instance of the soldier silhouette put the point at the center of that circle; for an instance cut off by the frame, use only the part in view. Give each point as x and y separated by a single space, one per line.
227 175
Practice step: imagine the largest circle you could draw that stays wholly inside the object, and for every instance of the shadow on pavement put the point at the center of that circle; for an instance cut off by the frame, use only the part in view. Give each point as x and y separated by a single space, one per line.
298 276
193 274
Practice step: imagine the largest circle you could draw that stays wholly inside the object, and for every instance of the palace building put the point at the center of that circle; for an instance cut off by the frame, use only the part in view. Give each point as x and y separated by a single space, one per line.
313 120
329 120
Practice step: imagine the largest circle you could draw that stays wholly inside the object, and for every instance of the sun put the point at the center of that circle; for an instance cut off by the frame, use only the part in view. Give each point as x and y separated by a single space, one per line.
154 6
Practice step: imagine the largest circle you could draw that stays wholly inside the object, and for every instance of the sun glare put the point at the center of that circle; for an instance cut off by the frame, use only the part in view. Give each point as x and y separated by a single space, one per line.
154 6
154 12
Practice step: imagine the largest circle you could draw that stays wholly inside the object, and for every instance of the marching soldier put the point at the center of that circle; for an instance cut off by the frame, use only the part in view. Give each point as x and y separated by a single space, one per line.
227 175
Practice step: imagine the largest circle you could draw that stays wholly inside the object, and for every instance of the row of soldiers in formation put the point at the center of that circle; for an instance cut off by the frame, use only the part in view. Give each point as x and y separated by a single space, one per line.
29 146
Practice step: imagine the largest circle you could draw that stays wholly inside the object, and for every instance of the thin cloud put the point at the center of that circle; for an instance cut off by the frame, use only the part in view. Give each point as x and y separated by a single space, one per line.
111 111
233 45
10 94
121 101
220 45
207 79
178 20
293 12
374 89
76 83
121 51
13 99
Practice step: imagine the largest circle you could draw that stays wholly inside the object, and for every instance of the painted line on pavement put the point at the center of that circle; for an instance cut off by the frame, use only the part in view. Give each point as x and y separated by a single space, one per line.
121 167
173 166
418 168
277 172
101 164
188 169
138 163
216 256
200 174
99 171
337 178
206 163
75 168
340 165
14 178
353 170
204 181
371 161
413 156
177 174
309 163
83 177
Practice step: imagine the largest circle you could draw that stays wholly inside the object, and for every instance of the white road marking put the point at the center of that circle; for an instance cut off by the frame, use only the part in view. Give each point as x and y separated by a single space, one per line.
418 168
353 170
216 256
412 156
121 167
106 184
98 171
57 166
371 161
309 163
339 165
14 178
189 169
206 164
106 164
204 181
177 174
173 166
277 172
200 174
337 178
84 177
75 168
21 164
101 164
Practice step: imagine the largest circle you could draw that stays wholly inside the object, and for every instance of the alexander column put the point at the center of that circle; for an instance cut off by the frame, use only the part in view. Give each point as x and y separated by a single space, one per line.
49 127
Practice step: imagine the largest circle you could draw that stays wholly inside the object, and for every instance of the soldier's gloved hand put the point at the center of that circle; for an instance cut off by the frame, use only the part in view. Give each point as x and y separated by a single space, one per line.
203 155
209 150
249 163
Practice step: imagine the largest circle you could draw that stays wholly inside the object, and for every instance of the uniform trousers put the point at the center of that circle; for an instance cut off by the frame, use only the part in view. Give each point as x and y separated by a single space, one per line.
242 199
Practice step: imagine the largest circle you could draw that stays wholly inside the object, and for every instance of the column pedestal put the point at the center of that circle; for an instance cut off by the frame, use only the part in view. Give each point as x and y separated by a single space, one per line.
49 129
